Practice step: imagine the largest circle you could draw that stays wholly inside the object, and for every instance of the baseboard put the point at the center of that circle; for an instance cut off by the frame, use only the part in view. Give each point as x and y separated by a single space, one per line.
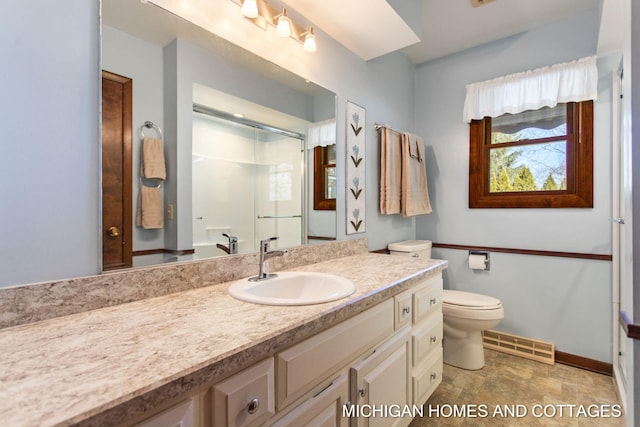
584 363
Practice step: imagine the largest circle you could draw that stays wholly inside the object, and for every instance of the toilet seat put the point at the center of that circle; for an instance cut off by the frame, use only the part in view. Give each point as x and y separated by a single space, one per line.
470 300
468 305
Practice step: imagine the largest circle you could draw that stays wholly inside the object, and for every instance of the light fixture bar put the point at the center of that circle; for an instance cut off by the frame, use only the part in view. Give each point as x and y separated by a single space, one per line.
268 15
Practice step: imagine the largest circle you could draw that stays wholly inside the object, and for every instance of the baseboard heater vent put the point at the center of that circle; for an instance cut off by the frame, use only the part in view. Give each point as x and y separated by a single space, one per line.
519 346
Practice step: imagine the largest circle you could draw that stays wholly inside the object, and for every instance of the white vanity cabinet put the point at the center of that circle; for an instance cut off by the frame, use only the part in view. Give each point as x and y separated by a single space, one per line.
424 301
305 365
386 358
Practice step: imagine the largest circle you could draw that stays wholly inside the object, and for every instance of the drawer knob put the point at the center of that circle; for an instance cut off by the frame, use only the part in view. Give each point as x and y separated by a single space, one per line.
434 375
433 301
406 309
434 338
362 391
252 406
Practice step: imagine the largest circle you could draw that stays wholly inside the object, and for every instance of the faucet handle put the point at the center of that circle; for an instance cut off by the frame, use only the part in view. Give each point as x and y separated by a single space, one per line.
231 238
264 244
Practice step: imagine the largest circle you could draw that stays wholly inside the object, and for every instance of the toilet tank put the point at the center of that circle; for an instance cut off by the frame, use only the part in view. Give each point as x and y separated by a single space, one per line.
412 248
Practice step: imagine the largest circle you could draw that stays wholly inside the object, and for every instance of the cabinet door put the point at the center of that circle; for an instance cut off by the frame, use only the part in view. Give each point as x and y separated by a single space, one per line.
245 399
180 415
321 410
380 382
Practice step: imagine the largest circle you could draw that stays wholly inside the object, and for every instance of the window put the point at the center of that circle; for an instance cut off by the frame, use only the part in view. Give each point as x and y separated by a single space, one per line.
535 159
324 178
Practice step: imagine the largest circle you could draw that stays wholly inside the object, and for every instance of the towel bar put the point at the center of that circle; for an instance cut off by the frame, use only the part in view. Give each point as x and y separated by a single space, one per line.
150 125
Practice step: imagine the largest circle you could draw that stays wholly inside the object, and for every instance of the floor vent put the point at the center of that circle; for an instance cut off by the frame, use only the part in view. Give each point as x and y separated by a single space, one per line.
519 346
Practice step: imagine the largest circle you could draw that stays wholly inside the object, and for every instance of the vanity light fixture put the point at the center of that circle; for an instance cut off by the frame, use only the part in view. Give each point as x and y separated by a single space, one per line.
263 15
250 9
283 29
309 40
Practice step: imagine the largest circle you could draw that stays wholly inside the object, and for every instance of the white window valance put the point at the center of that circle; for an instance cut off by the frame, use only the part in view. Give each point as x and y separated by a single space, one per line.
321 134
573 81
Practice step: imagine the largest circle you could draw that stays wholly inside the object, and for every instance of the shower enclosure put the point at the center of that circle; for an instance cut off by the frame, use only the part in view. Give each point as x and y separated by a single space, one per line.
248 182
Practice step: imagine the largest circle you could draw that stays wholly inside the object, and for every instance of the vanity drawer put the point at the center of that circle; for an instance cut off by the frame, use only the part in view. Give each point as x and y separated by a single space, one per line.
321 409
426 379
403 308
181 414
426 337
304 365
245 399
427 299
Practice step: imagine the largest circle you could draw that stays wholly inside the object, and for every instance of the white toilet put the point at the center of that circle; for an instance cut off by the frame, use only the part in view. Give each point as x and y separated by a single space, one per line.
465 316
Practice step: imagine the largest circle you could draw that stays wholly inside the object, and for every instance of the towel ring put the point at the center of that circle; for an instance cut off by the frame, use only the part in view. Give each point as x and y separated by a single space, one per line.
150 125
159 182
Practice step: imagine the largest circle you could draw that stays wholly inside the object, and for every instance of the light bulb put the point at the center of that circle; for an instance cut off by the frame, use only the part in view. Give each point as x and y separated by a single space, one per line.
283 29
310 41
250 9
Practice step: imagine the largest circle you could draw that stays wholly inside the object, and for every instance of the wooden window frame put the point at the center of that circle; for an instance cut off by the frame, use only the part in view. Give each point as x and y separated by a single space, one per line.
320 165
579 191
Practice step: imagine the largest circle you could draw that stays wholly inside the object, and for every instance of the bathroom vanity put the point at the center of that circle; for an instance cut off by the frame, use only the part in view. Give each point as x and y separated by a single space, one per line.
203 358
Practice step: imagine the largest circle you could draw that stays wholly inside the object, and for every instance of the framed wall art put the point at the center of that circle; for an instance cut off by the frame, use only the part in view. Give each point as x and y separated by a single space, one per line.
355 170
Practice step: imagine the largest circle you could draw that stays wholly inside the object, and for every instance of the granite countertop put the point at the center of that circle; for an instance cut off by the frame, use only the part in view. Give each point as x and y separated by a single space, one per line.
102 366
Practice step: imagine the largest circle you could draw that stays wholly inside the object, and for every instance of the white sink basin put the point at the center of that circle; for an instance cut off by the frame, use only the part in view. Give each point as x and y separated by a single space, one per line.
293 288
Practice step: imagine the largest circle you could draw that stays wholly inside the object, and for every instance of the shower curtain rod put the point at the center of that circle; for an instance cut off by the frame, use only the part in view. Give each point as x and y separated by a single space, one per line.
198 108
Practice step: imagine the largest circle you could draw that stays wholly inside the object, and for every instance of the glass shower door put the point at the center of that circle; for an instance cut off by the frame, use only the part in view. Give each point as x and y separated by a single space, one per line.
279 189
247 182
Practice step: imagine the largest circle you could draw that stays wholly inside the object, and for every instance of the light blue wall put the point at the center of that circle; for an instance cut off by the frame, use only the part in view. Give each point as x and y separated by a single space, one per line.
565 301
49 154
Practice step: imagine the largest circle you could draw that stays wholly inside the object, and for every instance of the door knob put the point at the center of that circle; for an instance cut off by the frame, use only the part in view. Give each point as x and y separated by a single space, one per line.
113 231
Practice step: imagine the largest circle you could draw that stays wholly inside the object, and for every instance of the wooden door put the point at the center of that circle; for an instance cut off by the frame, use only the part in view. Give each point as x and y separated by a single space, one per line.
117 221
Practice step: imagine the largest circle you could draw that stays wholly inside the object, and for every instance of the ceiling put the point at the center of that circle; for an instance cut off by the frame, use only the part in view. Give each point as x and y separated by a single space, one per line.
371 28
451 26
422 29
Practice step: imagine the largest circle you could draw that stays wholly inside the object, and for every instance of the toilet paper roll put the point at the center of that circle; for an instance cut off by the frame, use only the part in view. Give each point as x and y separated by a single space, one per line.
477 262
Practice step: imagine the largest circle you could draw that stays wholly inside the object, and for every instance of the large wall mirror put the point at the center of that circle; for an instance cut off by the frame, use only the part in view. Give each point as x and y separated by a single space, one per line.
229 131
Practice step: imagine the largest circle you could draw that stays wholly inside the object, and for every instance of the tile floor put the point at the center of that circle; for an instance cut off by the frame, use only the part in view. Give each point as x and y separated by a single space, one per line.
522 385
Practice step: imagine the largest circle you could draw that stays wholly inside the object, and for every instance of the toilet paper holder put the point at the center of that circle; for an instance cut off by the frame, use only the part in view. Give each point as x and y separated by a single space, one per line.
487 259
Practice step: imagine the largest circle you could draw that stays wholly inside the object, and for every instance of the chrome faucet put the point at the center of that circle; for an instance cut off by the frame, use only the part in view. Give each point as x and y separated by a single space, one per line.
265 255
233 244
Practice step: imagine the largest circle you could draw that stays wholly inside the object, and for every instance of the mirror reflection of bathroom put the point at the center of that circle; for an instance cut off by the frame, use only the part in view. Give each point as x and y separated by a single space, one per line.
143 42
248 175
247 184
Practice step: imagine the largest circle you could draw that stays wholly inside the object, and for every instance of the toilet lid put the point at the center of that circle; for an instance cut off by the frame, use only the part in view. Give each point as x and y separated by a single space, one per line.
470 300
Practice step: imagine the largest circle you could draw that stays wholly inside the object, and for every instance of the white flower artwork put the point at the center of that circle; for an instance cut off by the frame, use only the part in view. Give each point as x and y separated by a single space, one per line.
356 147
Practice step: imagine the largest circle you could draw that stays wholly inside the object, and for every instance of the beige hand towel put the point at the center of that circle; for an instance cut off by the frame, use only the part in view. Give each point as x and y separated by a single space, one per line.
390 170
415 195
149 213
153 166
